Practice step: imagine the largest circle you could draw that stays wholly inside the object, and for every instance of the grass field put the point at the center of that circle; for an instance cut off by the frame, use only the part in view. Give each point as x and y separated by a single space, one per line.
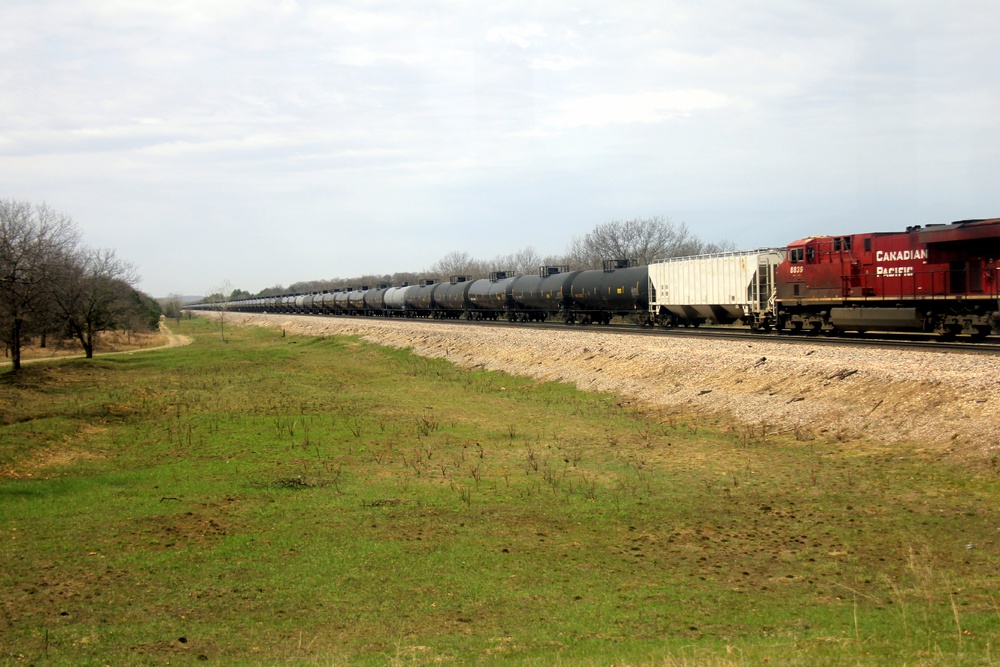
326 501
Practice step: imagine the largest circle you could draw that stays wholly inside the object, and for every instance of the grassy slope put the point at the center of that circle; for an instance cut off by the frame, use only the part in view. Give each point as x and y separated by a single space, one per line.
324 500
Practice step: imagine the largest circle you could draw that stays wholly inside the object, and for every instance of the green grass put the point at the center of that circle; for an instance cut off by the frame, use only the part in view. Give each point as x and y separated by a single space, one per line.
326 501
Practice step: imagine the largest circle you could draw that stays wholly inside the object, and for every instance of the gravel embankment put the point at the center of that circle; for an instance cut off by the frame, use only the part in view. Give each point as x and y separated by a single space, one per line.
940 401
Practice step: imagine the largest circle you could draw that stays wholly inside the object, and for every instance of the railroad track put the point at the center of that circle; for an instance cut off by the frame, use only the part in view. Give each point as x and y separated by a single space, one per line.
907 341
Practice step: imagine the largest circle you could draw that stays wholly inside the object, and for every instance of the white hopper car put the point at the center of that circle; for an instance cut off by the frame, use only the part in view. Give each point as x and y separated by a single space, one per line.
722 288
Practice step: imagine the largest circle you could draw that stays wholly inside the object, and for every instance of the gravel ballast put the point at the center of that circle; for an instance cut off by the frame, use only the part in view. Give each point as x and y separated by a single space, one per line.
935 400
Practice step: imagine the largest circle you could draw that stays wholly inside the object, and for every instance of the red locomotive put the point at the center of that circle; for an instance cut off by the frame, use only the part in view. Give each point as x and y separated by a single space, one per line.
939 278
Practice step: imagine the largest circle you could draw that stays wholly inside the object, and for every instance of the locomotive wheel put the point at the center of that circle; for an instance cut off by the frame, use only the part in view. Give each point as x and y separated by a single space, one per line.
950 331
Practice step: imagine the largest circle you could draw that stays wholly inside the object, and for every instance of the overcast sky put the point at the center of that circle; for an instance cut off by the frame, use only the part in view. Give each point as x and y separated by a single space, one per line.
263 142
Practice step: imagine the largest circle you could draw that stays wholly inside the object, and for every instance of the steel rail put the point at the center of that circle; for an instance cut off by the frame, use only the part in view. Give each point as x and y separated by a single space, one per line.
906 341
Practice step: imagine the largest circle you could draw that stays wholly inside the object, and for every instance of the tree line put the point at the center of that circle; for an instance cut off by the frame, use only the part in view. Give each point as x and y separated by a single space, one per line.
53 286
641 240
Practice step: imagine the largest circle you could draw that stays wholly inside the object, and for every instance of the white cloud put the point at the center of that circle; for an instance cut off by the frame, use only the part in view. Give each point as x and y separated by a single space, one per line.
541 115
523 36
650 107
557 63
188 13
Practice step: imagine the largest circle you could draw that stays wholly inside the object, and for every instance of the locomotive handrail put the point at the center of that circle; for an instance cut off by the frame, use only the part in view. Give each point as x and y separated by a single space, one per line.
881 287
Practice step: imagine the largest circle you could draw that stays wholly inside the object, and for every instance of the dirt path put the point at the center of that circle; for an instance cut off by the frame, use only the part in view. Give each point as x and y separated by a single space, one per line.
172 340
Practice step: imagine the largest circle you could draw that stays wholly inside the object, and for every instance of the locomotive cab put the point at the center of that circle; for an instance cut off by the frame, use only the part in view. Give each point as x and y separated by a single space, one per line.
815 268
819 274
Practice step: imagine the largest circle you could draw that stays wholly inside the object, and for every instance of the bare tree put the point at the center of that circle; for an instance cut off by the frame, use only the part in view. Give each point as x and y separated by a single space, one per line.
173 306
716 246
34 241
639 239
93 291
522 262
224 291
401 277
459 263
46 320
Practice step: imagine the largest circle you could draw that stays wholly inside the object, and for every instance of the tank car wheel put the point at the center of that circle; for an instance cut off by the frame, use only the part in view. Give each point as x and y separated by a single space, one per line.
982 331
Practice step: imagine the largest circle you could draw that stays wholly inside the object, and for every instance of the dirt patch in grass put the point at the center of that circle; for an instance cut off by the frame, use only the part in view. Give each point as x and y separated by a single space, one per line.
43 462
199 527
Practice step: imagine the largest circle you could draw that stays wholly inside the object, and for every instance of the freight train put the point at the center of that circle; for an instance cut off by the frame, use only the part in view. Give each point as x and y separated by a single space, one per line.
941 279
